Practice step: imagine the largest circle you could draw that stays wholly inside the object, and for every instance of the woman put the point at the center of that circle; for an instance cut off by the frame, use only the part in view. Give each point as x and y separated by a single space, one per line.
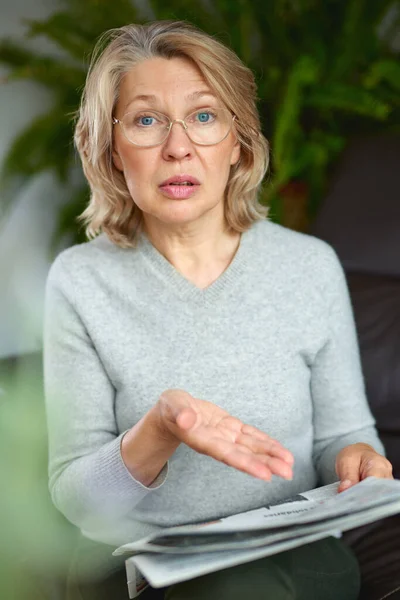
193 349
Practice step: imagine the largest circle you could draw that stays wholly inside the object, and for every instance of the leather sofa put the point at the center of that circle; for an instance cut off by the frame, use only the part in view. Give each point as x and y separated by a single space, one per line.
360 218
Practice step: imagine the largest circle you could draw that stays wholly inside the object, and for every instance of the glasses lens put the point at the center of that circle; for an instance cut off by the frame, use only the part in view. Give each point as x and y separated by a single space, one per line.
206 126
209 125
145 128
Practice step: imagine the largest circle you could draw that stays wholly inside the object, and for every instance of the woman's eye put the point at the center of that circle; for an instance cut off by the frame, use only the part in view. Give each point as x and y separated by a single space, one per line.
146 121
205 117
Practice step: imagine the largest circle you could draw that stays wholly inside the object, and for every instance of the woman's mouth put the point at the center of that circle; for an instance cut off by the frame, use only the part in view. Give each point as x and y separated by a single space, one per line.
180 187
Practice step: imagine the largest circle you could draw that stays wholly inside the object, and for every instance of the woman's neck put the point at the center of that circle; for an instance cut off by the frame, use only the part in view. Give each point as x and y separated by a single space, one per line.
200 257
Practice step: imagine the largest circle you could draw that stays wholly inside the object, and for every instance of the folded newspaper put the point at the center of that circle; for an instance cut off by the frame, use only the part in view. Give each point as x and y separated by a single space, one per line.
179 553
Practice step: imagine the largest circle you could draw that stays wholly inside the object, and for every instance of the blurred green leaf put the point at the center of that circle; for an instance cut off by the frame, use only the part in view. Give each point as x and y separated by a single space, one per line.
303 74
348 98
66 31
13 54
50 73
383 71
35 539
26 156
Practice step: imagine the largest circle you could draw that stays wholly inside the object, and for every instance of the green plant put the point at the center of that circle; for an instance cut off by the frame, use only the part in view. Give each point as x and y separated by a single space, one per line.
323 72
36 541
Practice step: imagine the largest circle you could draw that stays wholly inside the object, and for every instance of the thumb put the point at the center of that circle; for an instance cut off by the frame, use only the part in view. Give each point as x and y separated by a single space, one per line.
348 470
186 418
172 404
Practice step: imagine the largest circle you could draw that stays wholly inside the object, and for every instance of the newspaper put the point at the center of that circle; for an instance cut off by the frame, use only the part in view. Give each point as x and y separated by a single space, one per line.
162 570
179 553
135 579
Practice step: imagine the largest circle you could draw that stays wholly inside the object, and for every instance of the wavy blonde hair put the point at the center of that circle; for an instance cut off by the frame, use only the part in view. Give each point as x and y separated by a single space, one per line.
111 208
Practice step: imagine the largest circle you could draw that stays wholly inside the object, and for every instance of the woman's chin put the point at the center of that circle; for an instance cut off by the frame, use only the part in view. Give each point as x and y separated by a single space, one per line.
182 211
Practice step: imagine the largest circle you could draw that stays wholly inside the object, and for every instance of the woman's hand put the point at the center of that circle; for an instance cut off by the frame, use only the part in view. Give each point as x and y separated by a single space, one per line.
358 461
209 430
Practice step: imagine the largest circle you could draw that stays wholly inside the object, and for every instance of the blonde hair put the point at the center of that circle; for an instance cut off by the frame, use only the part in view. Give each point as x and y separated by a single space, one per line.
111 208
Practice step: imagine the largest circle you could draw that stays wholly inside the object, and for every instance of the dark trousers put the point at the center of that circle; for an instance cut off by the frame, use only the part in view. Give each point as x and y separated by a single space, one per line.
324 570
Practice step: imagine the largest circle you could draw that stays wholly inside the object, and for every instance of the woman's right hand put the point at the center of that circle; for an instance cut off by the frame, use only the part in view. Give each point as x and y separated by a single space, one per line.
210 430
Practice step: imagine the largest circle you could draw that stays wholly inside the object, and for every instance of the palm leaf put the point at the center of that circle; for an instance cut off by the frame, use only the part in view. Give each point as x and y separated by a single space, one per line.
387 71
51 73
14 55
303 73
63 29
27 157
350 99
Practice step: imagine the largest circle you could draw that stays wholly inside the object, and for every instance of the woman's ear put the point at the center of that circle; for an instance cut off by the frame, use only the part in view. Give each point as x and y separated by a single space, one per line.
235 153
117 160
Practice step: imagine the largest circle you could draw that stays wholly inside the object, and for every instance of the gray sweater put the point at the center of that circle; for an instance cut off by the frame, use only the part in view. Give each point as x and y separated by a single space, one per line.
272 341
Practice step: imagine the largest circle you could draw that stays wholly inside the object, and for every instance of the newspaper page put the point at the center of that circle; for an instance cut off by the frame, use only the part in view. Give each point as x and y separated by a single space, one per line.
161 570
165 569
135 580
182 553
308 512
257 539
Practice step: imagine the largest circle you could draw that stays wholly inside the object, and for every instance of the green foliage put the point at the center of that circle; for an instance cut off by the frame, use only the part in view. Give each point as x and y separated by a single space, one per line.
36 541
323 74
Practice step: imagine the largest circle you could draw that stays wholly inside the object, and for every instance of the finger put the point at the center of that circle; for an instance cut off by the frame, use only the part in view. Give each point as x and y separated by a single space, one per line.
239 458
377 466
261 446
348 470
275 447
277 466
247 463
250 430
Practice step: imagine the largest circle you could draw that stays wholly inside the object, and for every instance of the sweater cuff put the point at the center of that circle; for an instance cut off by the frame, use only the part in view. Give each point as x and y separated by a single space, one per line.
156 483
102 487
116 476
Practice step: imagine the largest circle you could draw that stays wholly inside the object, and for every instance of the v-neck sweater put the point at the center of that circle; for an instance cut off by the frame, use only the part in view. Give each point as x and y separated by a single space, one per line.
272 341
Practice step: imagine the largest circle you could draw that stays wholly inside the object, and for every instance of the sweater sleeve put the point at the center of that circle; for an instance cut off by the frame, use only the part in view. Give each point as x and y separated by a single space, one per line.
88 479
341 412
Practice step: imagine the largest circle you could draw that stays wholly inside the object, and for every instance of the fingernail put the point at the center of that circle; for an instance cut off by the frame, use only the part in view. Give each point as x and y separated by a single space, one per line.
345 484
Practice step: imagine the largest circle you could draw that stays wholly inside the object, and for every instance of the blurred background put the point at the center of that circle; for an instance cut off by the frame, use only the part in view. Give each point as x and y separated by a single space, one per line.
329 80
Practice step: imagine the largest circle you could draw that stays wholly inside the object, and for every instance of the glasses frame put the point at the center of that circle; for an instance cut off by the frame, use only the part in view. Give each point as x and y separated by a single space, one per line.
182 122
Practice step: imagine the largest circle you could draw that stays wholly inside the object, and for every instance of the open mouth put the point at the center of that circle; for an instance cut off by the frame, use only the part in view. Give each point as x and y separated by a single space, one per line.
181 183
183 180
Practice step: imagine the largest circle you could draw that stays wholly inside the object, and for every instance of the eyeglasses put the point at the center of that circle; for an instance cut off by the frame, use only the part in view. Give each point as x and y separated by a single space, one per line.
147 128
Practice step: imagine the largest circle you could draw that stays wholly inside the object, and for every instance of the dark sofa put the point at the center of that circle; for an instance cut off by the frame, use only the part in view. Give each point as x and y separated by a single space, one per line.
360 218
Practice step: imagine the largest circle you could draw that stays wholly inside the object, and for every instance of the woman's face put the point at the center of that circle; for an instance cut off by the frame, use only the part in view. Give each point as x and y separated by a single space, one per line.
176 88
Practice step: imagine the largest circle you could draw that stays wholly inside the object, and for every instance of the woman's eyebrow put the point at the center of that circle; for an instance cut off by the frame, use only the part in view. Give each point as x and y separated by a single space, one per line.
152 99
199 94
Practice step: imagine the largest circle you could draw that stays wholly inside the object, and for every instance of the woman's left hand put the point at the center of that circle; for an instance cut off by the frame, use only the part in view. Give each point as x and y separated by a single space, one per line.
358 461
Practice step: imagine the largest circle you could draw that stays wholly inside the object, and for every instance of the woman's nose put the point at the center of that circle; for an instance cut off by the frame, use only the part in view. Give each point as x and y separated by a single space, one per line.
177 145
